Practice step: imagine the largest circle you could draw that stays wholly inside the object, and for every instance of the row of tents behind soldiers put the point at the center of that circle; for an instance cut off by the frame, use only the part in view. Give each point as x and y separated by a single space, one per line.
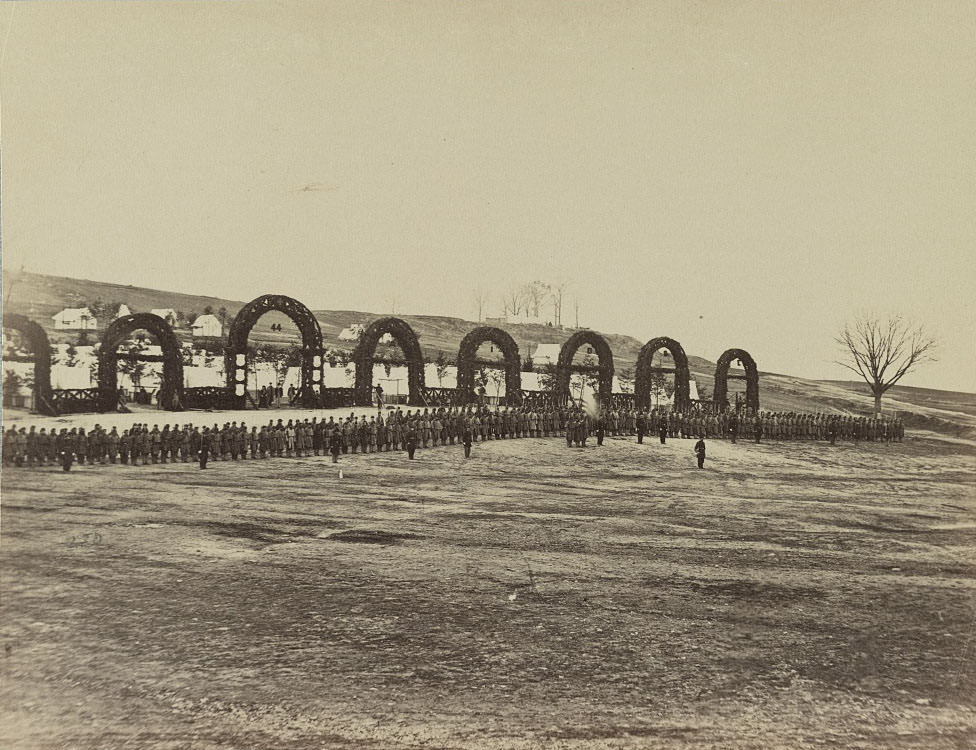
426 429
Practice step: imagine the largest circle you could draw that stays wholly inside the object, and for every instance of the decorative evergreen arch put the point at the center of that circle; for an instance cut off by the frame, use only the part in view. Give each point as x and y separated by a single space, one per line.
235 354
365 354
721 390
565 366
468 360
41 349
645 372
171 390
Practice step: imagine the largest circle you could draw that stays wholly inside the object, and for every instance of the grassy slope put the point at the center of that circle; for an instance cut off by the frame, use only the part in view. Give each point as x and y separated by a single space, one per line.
41 296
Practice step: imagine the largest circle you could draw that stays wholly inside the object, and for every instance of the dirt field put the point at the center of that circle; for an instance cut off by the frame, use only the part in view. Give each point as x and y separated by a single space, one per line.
791 595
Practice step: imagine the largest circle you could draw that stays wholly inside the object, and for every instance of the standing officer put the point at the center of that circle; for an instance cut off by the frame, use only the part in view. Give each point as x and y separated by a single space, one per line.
335 445
466 440
411 441
700 451
204 452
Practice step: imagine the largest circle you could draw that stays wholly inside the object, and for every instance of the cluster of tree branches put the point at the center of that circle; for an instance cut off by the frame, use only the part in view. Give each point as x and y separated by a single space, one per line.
528 300
882 352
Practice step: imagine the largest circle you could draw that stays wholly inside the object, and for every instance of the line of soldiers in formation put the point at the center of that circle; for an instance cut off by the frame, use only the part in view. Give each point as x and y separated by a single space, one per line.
420 429
774 425
297 438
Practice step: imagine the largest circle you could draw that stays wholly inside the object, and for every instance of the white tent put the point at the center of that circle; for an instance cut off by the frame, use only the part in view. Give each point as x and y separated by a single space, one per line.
207 325
546 354
352 333
166 313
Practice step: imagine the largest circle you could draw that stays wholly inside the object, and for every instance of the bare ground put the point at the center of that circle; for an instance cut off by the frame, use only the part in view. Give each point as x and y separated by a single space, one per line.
791 595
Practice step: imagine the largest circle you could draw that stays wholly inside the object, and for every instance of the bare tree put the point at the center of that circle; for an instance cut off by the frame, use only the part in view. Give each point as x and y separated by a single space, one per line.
480 300
535 294
513 301
884 351
557 291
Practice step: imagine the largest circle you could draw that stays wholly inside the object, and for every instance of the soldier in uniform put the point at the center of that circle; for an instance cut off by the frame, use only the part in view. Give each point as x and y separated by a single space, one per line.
411 441
8 446
31 446
241 441
700 451
112 444
164 442
264 441
436 426
205 444
155 443
335 444
373 434
44 445
466 440
187 449
81 445
52 447
425 431
253 443
125 447
318 432
68 451
397 432
193 441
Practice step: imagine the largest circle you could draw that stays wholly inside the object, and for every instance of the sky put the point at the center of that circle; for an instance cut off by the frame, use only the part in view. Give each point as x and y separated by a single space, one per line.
730 174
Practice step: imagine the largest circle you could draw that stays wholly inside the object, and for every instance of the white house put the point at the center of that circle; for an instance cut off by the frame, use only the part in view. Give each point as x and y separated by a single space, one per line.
207 325
122 312
75 319
166 313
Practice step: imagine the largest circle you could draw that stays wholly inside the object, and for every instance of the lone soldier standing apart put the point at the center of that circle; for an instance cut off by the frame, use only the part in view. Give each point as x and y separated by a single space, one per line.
411 442
335 445
700 451
663 429
204 452
466 439
67 457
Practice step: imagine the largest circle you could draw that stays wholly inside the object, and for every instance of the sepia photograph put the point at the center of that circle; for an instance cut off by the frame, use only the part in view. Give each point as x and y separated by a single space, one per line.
502 375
